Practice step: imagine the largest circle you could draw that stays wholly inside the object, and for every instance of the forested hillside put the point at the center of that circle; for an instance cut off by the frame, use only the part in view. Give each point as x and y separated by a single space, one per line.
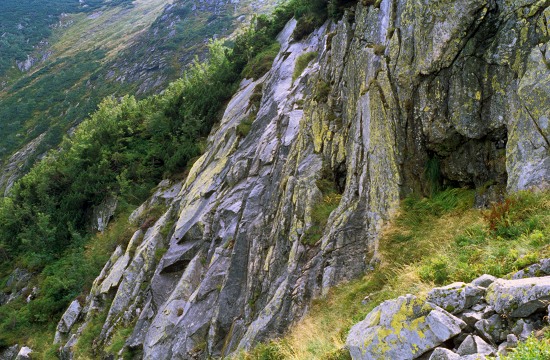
60 64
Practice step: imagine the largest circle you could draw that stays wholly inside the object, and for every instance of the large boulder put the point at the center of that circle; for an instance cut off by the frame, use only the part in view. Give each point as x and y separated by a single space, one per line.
519 297
404 328
456 297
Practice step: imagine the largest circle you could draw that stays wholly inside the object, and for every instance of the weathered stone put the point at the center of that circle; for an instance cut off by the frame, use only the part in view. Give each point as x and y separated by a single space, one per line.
392 87
519 298
24 353
522 329
512 340
502 349
69 317
444 354
404 328
542 268
9 353
475 345
484 280
473 357
470 317
492 329
456 297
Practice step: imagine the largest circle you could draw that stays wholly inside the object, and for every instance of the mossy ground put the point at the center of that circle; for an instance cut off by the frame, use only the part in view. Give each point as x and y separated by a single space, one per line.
431 241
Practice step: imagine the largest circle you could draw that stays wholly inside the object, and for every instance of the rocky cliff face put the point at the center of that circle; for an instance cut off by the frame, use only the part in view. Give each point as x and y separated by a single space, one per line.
396 94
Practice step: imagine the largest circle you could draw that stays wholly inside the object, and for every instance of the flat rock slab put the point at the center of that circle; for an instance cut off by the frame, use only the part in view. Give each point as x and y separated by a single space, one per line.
520 297
404 328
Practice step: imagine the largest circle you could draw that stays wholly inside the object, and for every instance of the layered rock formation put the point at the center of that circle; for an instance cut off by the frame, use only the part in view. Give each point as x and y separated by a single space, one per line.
458 90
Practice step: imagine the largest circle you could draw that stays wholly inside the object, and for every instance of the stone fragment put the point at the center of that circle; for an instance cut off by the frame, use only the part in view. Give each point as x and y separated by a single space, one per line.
404 328
475 345
484 280
512 340
470 317
522 329
69 317
24 353
456 297
520 297
444 354
491 329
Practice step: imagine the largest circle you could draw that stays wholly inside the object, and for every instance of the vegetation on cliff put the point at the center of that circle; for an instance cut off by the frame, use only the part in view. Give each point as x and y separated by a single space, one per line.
432 241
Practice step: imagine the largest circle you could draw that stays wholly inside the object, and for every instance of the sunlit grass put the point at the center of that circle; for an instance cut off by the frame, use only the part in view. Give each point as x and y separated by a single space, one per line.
431 241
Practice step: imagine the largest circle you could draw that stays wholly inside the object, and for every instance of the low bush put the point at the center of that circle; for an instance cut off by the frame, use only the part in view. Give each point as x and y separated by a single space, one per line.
530 349
262 62
302 62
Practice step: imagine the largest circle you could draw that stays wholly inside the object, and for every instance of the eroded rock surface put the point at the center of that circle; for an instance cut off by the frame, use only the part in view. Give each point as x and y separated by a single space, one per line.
404 328
394 89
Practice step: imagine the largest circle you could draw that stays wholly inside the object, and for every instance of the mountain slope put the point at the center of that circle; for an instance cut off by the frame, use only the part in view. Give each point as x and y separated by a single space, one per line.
111 48
277 212
310 161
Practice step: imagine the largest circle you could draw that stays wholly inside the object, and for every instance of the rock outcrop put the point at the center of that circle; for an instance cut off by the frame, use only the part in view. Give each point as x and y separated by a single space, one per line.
402 329
504 312
456 87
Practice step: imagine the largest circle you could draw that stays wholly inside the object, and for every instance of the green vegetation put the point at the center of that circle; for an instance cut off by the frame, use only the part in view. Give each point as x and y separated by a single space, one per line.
122 151
244 127
85 346
321 211
431 241
302 62
531 349
262 62
24 24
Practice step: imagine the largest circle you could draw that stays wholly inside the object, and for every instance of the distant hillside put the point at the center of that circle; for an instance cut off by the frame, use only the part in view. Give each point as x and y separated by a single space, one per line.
68 57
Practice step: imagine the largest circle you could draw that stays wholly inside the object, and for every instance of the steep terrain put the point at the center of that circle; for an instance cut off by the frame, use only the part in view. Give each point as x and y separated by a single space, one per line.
400 97
93 50
310 161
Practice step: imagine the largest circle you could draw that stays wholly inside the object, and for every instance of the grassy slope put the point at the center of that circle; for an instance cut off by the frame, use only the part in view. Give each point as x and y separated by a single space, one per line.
56 94
431 242
61 92
112 29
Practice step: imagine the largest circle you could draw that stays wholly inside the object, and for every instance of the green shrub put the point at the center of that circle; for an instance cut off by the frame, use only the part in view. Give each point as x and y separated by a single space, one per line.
335 8
338 354
321 92
436 270
262 62
530 349
244 127
269 351
302 62
432 175
321 211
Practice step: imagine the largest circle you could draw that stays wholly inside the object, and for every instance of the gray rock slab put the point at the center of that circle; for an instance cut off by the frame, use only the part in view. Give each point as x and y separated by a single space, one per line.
520 297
